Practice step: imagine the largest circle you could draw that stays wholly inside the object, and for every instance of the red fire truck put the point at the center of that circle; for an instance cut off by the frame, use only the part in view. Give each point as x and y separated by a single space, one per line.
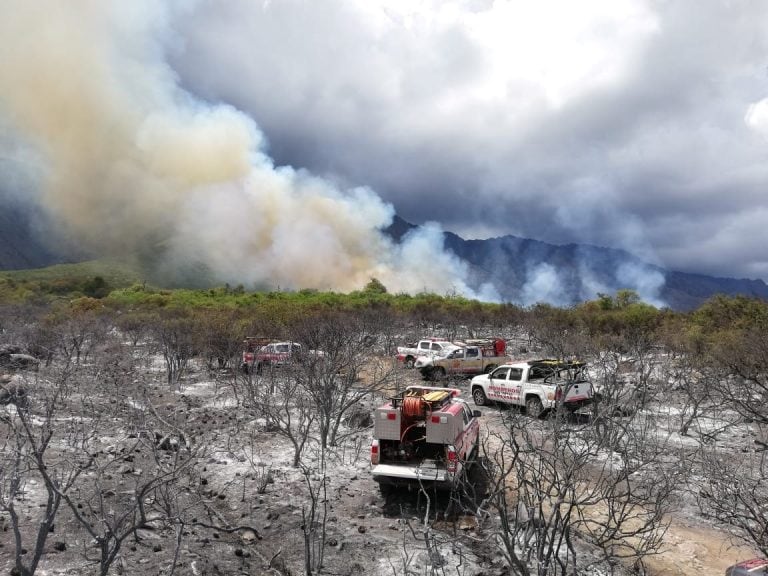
424 436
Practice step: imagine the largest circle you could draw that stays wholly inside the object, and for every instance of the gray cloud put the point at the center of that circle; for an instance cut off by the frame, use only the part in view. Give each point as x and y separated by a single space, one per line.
635 124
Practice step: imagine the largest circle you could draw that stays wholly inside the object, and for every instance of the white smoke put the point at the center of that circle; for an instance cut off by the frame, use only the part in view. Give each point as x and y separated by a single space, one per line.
544 285
421 250
133 163
644 280
591 285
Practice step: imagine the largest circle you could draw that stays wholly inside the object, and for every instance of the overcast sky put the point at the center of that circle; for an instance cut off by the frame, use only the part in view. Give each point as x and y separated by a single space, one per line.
271 141
634 124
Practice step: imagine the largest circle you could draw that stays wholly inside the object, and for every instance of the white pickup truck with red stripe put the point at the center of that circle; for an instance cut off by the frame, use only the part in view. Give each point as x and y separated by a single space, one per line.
539 385
426 436
429 347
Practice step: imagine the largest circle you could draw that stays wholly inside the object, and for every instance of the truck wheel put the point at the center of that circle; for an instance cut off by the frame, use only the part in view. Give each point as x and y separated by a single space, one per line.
409 361
490 368
479 397
533 406
438 373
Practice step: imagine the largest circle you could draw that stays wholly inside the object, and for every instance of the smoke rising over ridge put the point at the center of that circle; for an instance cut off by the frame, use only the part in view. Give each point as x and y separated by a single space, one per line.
645 117
129 162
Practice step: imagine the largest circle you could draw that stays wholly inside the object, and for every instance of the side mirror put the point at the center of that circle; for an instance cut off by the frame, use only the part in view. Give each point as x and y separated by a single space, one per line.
476 413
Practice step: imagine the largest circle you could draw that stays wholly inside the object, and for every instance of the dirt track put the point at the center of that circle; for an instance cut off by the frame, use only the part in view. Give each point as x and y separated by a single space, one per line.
696 550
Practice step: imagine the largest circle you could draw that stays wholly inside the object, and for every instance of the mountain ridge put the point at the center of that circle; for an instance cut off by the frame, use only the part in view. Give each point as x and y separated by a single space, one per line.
20 247
581 271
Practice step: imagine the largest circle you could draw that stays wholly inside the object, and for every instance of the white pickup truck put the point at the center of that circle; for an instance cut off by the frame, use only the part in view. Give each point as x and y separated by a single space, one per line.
468 359
539 385
428 347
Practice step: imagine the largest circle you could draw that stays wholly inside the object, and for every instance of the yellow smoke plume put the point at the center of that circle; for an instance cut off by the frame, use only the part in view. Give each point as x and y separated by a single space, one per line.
133 162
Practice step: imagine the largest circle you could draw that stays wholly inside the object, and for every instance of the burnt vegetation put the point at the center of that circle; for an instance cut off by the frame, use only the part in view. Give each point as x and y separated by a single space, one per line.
134 443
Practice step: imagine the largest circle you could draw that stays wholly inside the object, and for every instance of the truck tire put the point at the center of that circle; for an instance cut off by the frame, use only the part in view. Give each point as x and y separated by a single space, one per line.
409 361
438 373
490 368
479 397
533 407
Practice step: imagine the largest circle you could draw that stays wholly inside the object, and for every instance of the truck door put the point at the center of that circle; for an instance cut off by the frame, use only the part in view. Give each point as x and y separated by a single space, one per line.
473 362
515 384
456 360
497 384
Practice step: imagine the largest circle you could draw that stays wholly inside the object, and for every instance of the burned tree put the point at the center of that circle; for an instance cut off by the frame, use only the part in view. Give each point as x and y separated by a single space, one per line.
135 482
559 485
78 326
734 492
337 370
222 335
176 335
734 489
278 398
29 434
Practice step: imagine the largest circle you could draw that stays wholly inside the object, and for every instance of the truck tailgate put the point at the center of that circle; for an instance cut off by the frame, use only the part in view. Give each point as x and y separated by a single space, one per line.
427 470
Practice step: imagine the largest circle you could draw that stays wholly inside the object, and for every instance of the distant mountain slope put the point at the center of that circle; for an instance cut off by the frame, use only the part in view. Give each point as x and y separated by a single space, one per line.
687 291
526 271
19 246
